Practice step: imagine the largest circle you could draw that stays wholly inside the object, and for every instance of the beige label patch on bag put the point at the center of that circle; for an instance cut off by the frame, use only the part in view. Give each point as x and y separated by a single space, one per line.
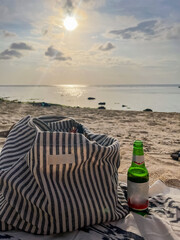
61 159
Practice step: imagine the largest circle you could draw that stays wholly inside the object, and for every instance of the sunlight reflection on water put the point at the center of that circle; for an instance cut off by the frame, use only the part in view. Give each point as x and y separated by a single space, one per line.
70 90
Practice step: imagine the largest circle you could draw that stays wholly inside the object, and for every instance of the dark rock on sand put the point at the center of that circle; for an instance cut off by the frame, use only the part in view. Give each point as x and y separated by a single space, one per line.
41 104
101 107
124 105
147 110
91 98
176 155
102 103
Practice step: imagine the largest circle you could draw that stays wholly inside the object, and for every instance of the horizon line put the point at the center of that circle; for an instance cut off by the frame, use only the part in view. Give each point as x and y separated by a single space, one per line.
86 85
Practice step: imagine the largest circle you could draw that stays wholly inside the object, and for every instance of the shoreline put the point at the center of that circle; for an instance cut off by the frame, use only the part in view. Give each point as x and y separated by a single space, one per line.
159 132
4 99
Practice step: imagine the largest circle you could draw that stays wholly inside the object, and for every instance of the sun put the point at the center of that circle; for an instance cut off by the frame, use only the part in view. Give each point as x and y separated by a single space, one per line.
70 23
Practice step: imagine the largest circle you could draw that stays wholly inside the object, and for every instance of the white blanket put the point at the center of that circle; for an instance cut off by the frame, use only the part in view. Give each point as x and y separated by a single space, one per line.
163 223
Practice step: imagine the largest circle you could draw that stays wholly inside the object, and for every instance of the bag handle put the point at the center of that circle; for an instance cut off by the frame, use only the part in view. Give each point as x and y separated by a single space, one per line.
47 118
41 122
38 124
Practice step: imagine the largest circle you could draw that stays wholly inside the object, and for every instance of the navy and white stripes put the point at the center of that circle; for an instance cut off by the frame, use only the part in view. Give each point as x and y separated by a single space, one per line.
53 181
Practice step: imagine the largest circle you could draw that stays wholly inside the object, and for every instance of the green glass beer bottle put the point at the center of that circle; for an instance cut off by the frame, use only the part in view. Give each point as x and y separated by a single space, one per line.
138 180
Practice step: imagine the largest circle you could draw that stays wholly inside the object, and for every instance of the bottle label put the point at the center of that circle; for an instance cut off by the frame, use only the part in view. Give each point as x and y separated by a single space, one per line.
137 194
138 159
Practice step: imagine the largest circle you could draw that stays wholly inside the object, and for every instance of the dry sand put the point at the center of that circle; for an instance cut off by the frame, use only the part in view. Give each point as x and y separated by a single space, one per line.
160 133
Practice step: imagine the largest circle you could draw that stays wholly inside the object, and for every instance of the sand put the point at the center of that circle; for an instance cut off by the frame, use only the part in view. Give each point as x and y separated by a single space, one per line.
160 133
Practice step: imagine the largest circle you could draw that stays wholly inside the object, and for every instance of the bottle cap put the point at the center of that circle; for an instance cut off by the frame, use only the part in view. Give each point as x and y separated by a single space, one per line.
138 148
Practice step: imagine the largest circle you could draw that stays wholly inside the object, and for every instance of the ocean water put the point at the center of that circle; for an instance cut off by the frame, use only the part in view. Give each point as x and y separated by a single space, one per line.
160 98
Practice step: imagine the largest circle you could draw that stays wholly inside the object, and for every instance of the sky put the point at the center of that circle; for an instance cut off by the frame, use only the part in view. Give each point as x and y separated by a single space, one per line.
115 42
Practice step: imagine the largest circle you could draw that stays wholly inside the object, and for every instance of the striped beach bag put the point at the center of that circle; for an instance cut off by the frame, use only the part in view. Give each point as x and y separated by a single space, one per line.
56 176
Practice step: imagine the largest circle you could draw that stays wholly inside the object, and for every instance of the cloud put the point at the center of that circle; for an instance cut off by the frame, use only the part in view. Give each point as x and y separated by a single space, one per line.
56 54
9 54
12 53
21 46
173 32
70 5
106 47
93 4
44 32
62 58
147 28
8 34
121 61
141 9
51 52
